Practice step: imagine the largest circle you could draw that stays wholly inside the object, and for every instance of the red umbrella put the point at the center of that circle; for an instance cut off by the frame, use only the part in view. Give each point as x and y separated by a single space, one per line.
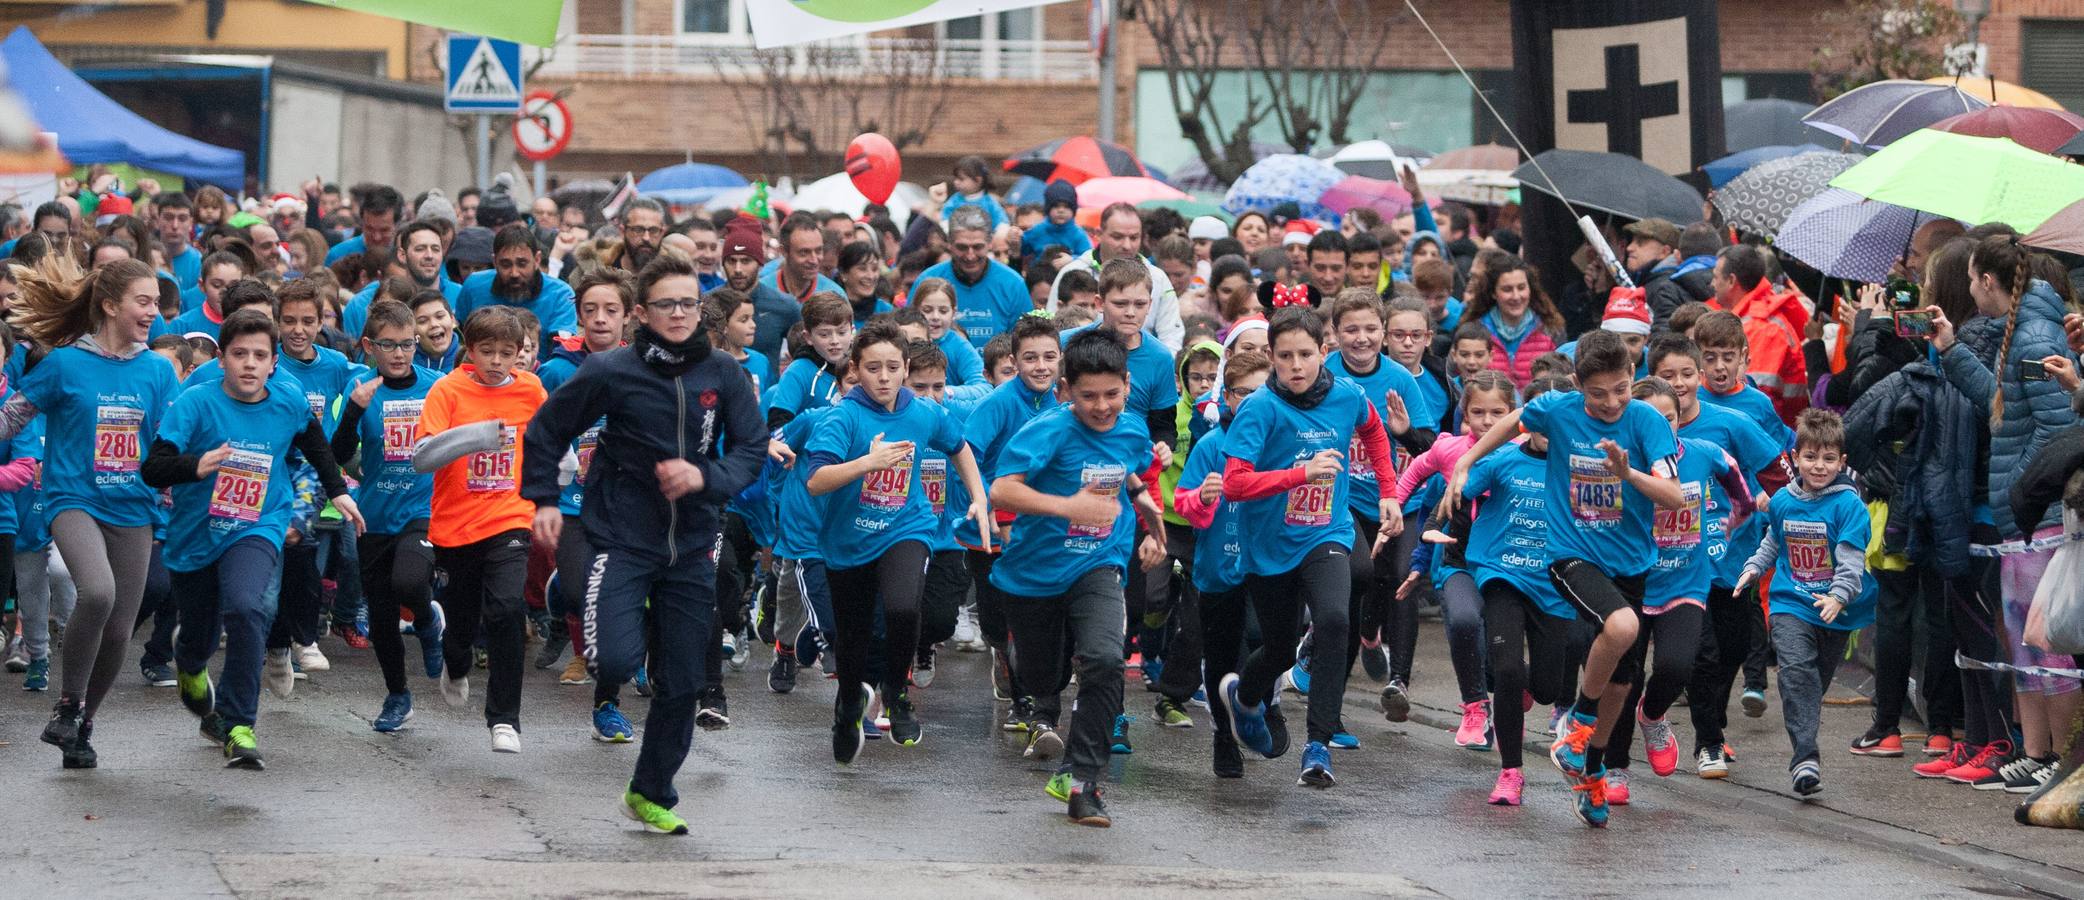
2044 130
1482 156
1075 159
1386 197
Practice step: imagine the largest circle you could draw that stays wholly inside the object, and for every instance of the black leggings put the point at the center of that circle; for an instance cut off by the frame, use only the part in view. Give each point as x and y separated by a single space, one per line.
1399 627
991 611
297 613
1976 608
1528 654
397 571
1322 583
1222 650
899 577
1676 632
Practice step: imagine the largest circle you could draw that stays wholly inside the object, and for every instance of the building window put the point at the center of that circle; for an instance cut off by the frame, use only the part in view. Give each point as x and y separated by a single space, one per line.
712 17
2052 59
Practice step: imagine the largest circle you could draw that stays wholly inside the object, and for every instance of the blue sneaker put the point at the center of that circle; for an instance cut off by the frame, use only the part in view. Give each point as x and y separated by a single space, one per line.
39 677
1568 752
429 633
1249 724
1591 798
642 681
397 709
807 648
1299 677
1316 766
1200 698
869 730
1121 736
609 724
1153 670
1341 740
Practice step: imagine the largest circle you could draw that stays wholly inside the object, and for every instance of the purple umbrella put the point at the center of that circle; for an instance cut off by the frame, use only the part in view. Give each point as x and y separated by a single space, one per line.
1877 114
1386 197
1848 236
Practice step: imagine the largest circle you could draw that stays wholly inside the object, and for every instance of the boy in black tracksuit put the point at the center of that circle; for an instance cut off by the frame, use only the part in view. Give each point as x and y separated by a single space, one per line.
683 435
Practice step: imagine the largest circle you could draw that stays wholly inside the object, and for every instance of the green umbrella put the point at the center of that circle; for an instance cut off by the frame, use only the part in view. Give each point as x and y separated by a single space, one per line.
1974 179
1191 209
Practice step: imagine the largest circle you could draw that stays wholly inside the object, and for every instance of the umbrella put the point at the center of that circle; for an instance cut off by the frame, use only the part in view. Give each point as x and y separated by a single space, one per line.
1025 189
1844 235
1484 187
2075 147
1974 179
1758 201
2063 231
1376 159
836 193
2045 130
2003 92
1765 122
1284 178
1876 115
1611 182
1191 209
1099 193
588 192
1193 175
689 183
1075 159
1481 156
1386 197
1726 169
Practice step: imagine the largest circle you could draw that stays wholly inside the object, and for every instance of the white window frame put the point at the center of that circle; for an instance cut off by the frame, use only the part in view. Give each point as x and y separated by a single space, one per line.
991 52
739 32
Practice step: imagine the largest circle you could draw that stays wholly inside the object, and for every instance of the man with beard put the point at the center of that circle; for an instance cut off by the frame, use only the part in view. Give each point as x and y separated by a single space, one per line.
516 279
419 249
643 224
988 295
774 313
378 214
800 271
1121 237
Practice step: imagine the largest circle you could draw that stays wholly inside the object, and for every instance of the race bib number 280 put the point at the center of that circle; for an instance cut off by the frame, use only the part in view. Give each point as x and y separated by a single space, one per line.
116 431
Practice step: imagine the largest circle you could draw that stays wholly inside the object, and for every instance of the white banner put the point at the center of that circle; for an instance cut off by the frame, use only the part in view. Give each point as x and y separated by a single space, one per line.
779 23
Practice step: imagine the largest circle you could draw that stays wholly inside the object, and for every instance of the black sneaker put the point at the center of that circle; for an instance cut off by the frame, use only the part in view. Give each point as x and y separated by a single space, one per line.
1375 662
1277 725
781 677
1086 808
79 754
904 723
715 714
1018 716
64 726
1396 701
158 674
1878 741
554 642
846 728
1230 762
213 730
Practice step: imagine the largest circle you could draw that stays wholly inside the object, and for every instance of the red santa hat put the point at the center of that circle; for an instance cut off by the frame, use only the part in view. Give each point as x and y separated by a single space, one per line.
1626 312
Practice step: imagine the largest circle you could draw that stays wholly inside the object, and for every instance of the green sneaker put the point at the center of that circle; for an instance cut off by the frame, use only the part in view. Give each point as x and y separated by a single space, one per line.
1171 715
1060 786
239 749
655 818
197 693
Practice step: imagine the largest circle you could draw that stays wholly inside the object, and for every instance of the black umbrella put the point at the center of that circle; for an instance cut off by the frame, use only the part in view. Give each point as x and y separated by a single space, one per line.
1613 183
1075 159
1769 122
2075 147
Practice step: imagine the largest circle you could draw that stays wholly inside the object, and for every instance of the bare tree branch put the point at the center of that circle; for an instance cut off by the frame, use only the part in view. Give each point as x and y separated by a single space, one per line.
807 102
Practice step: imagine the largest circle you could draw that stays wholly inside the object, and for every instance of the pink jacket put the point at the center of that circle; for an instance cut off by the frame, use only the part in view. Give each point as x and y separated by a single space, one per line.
1519 367
1438 459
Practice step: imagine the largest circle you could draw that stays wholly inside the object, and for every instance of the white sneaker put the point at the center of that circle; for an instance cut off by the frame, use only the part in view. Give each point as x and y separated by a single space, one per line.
505 739
456 691
968 638
310 660
742 651
279 674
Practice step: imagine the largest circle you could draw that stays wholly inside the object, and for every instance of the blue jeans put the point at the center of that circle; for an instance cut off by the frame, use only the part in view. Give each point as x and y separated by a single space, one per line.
1809 656
673 629
232 593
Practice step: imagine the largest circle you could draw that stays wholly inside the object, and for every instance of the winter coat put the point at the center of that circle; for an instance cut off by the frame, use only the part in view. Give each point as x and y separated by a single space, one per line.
1933 502
1519 366
2033 410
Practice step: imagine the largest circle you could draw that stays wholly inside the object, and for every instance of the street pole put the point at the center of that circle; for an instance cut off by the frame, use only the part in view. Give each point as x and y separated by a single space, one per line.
484 152
1107 55
541 175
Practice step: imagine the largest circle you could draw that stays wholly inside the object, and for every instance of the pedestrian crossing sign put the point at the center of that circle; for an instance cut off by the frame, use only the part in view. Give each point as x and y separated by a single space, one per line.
484 75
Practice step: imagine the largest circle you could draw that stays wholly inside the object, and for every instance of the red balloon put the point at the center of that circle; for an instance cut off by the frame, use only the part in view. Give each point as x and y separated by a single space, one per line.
873 165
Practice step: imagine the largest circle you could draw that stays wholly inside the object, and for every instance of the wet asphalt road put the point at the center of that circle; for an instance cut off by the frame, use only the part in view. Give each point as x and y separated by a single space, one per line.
431 811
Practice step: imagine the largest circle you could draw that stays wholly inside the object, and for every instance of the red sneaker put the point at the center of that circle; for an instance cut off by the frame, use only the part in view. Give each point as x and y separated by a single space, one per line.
1956 755
1979 766
1939 744
352 636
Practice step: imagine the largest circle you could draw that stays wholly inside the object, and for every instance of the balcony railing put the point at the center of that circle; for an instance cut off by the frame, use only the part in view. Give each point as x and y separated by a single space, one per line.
695 55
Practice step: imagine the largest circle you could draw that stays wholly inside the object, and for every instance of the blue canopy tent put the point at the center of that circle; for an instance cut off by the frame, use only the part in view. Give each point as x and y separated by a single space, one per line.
92 128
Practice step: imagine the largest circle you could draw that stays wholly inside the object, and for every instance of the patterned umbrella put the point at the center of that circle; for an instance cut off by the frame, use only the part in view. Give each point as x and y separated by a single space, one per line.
1075 159
1386 197
1281 179
2045 130
1723 171
1846 236
1758 201
1876 115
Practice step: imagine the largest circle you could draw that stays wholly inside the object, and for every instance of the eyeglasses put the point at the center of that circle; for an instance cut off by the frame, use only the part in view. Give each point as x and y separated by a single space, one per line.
1238 392
390 346
673 305
1408 335
642 230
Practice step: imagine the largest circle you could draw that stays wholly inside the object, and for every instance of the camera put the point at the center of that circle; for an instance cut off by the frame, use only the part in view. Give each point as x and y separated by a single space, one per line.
2032 370
1914 325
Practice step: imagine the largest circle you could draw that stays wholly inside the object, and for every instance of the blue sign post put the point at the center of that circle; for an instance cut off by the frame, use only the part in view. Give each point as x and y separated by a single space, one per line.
484 75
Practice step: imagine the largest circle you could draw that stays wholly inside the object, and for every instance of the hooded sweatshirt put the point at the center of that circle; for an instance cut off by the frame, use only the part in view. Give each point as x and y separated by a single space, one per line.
1816 543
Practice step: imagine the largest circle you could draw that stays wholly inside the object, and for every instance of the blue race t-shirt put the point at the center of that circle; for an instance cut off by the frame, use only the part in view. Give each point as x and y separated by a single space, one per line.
1753 451
8 453
1057 454
33 530
1509 533
794 504
757 365
193 321
991 305
188 267
1152 384
999 416
100 414
1270 433
965 364
886 506
354 317
391 494
552 303
249 496
1809 532
804 386
1219 548
1684 568
354 244
1606 521
1388 378
1753 404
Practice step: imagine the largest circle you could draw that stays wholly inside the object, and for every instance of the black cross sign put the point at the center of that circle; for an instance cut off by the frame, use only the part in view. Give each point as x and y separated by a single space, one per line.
1625 101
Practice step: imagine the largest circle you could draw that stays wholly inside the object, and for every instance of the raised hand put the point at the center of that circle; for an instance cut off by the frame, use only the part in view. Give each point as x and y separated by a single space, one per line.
1616 458
888 454
207 464
1326 464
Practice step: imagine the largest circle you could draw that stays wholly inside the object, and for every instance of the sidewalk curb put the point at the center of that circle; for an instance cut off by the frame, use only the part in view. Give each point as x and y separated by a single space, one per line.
1826 822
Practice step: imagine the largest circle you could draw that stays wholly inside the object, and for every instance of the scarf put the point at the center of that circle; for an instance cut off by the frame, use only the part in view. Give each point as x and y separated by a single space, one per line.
668 358
1310 397
1511 336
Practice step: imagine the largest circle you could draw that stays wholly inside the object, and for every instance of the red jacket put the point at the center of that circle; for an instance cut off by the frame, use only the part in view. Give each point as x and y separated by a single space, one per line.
1519 367
1773 323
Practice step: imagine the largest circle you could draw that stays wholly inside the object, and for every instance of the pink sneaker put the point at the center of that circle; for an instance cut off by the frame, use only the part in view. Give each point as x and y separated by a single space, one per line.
1617 787
1507 791
1475 733
1659 744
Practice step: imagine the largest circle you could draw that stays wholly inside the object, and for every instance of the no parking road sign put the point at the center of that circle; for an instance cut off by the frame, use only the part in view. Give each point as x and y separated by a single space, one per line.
484 75
544 127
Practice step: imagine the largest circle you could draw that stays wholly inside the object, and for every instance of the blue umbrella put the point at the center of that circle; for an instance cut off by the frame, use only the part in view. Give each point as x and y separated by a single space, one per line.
1845 235
1722 171
1026 189
689 183
1285 178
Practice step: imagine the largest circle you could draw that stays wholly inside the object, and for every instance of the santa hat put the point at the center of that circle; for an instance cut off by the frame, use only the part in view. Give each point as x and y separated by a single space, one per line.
1298 231
1626 313
286 204
110 207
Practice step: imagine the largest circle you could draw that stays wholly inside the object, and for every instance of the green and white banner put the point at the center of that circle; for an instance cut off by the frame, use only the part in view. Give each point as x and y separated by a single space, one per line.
525 21
778 23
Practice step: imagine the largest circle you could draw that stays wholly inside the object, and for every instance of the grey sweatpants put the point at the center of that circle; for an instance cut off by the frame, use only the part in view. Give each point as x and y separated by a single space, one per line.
43 593
1809 656
109 565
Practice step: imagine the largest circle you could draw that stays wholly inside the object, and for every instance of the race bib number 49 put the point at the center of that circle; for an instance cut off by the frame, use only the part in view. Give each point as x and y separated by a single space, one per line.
1309 503
1679 529
401 429
242 486
1808 551
493 470
116 431
1595 494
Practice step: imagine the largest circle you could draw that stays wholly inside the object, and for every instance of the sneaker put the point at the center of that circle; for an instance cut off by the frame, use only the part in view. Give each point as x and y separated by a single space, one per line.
642 682
1374 660
212 729
610 726
279 673
1396 701
904 721
1808 778
552 649
1957 754
352 635
39 677
1060 786
1617 787
505 739
1118 741
240 751
1297 678
480 658
1248 723
430 633
806 645
397 709
1019 715
715 712
1754 703
1200 698
1939 744
1044 743
455 691
1982 764
1086 809
309 658
1171 715
575 672
1592 799
1511 782
1711 763
158 674
922 668
655 818
2029 775
18 655
1876 742
1276 728
1001 677
1153 671
1475 731
64 726
872 722
1229 762
1659 744
1556 714
1992 775
847 736
80 753
198 695
781 676
728 644
1568 752
1316 766
968 638
1341 740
